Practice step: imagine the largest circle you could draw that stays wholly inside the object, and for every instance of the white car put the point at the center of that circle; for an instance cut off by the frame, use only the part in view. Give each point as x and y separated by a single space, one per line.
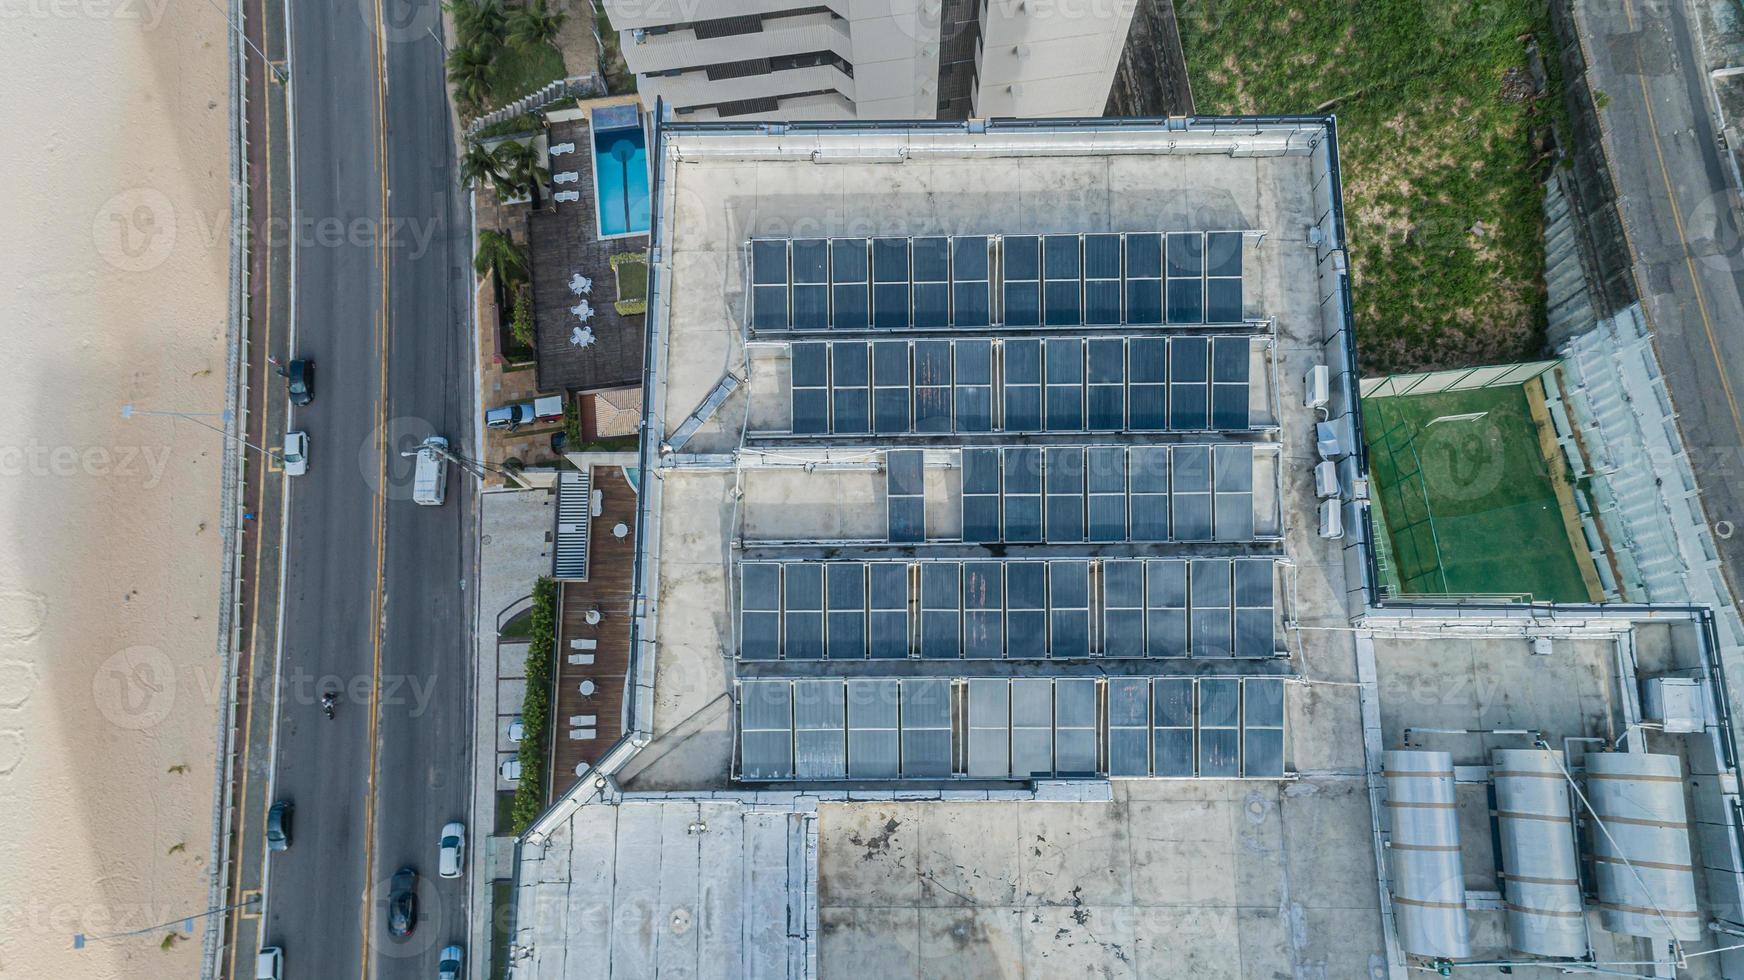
510 770
270 964
449 963
296 455
451 850
517 730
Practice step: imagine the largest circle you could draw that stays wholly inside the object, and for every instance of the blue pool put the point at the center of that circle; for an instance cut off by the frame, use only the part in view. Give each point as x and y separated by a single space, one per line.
620 181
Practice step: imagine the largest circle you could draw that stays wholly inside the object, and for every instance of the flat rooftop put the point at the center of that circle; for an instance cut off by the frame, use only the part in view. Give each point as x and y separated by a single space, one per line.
985 465
979 391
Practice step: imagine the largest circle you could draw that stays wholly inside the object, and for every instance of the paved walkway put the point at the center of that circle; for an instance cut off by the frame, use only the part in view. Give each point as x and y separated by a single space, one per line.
1680 216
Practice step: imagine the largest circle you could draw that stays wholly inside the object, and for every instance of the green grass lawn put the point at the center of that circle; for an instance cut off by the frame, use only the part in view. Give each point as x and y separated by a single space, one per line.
518 71
1442 184
1496 523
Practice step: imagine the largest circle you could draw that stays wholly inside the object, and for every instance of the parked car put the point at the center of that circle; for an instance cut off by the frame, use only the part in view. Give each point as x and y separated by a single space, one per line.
403 903
509 416
270 964
517 730
545 408
300 379
449 964
510 770
278 826
296 454
451 850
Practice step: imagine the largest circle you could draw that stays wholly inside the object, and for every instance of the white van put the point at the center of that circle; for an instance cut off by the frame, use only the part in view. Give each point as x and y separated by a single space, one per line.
430 479
270 964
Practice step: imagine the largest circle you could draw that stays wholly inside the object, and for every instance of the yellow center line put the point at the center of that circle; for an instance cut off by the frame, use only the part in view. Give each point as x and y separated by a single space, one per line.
1683 240
376 624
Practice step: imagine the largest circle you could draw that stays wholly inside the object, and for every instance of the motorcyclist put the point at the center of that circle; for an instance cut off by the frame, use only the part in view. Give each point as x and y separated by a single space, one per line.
327 701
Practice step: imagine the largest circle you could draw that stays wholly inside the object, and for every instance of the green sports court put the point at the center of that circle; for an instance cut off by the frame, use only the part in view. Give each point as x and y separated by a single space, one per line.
1465 501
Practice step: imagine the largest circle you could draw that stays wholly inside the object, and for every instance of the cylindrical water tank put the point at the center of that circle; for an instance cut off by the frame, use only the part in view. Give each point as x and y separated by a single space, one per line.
1540 870
1428 875
1638 797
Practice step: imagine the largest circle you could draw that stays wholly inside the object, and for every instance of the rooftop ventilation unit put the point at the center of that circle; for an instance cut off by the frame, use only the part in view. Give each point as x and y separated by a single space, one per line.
1428 880
1675 702
1539 868
1326 440
1318 382
1645 880
1331 520
1326 479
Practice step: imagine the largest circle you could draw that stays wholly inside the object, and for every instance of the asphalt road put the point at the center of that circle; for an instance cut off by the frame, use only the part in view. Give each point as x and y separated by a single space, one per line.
1682 227
373 598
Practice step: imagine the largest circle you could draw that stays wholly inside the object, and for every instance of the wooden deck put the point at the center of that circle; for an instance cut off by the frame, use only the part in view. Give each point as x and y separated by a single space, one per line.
609 563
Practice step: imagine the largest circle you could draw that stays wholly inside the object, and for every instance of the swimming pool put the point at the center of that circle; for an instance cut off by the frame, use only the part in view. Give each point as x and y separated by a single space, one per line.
620 181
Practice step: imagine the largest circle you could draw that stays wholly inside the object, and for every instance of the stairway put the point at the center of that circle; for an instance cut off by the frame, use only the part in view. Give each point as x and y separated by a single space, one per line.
574 496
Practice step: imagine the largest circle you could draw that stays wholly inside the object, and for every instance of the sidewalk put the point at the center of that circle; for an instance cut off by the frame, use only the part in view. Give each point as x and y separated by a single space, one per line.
263 424
514 550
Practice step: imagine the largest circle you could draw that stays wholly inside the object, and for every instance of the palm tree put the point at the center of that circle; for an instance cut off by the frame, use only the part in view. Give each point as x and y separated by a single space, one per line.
534 24
498 253
476 20
522 174
469 69
478 165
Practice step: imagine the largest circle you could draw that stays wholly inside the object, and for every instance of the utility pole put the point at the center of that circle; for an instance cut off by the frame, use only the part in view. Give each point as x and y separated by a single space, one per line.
128 412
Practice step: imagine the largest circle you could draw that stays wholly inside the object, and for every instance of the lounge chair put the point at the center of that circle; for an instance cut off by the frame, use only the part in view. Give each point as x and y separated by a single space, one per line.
581 660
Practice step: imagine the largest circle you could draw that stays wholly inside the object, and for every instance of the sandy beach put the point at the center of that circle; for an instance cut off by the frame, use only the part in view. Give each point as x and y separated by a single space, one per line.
113 279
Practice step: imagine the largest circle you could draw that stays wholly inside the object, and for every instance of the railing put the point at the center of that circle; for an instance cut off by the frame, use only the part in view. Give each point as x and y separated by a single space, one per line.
589 85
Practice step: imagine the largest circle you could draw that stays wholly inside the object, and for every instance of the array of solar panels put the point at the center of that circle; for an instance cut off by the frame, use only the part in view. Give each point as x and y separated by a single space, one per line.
1021 728
1053 384
1061 494
1062 609
978 281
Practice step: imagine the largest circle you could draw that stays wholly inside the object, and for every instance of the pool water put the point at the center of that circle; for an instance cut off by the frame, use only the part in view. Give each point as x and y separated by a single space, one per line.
620 181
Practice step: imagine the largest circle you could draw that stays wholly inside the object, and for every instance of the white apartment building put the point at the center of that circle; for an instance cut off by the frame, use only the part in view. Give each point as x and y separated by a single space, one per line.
873 59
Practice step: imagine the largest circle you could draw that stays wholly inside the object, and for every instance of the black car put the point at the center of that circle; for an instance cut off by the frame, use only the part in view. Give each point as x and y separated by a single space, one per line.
403 903
300 378
278 826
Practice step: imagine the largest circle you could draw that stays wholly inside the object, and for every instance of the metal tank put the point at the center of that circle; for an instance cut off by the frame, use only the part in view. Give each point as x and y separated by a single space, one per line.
1428 879
1540 870
1639 798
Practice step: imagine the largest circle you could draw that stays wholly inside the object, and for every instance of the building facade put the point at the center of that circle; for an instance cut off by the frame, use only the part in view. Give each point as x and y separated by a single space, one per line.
873 59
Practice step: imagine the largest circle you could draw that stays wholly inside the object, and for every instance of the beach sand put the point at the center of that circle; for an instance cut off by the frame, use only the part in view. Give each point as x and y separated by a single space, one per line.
114 263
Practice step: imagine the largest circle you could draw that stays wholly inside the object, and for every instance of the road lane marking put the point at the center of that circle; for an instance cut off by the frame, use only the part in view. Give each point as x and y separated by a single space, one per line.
379 601
1683 240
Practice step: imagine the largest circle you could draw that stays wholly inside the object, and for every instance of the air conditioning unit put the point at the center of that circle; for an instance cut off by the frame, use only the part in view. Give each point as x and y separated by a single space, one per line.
1326 479
1675 702
1318 382
1331 520
1326 440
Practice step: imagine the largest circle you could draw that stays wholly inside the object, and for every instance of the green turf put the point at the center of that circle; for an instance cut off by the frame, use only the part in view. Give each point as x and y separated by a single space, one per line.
1496 524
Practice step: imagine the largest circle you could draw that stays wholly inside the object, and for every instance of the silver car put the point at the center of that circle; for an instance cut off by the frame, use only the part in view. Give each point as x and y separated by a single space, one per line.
296 455
448 965
451 850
